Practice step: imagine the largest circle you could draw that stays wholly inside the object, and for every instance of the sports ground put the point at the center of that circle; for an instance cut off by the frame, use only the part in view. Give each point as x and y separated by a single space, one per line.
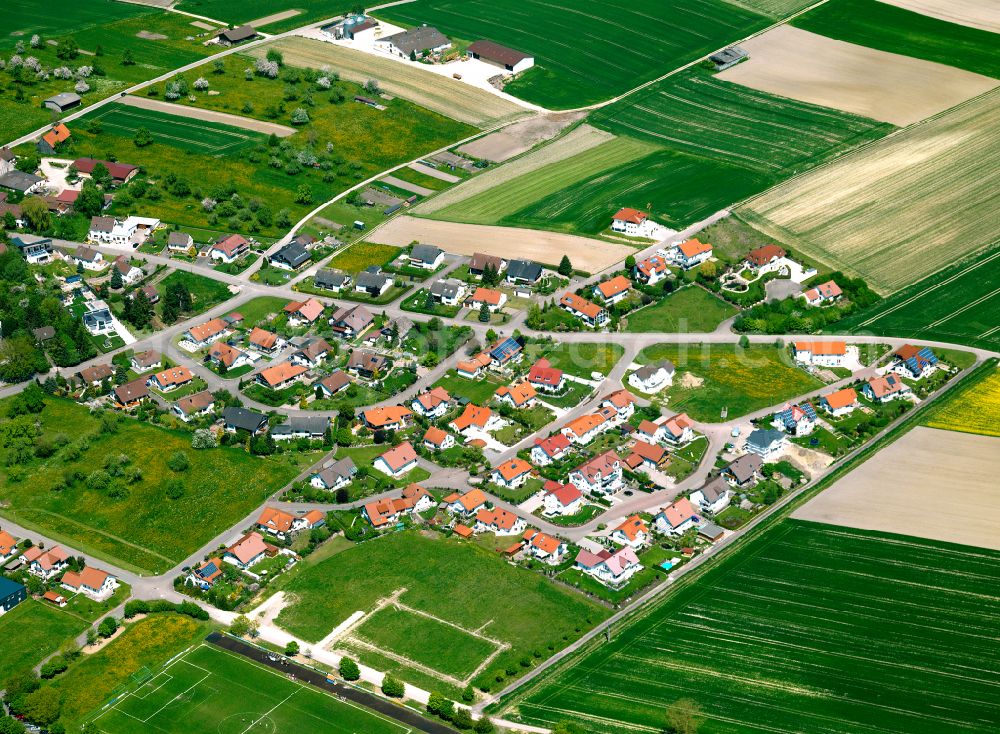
211 691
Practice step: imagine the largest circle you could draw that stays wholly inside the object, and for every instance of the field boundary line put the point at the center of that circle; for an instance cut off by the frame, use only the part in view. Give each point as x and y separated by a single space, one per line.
964 308
272 709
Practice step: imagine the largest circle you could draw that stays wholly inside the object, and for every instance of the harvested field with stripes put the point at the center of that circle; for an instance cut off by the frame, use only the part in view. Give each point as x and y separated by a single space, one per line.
971 13
901 208
808 628
438 93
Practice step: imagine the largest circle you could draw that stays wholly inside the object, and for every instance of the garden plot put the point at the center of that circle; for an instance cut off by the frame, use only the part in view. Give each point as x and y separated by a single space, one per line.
932 484
971 13
519 137
898 89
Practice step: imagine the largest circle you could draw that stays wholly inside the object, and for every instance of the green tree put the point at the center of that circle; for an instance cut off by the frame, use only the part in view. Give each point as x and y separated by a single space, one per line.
683 717
240 626
462 719
142 137
100 175
568 727
292 648
36 214
484 313
392 688
469 694
107 627
43 706
90 201
127 59
629 262
116 278
565 267
349 669
10 725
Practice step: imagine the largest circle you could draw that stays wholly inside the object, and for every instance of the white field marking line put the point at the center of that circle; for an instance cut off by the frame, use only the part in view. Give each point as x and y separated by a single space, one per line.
963 309
146 695
923 293
131 694
991 331
157 712
270 710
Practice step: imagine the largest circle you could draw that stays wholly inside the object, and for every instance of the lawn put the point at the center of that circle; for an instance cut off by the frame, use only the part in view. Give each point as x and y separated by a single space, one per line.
427 641
32 631
737 379
147 643
768 640
257 309
957 304
896 30
132 524
690 309
578 358
205 292
209 690
418 303
444 578
584 54
363 255
479 392
973 408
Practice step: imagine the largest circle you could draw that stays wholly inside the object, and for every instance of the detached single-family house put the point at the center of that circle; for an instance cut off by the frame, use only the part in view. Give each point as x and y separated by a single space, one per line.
448 292
589 313
241 419
472 369
426 257
45 563
885 388
334 383
7 160
204 334
89 258
433 403
373 282
512 473
840 402
131 394
312 353
653 377
476 419
436 439
91 582
499 522
193 406
601 475
339 474
8 546
397 461
763 257
645 456
913 361
613 569
621 402
521 395
13 593
494 300
481 261
823 293
676 518
229 248
544 547
312 427
349 321
171 379
549 450
766 443
633 532
387 418
614 290
265 341
546 378
651 270
146 361
222 354
290 257
692 253
714 497
51 140
523 272
819 353
332 280
630 222
795 420
94 376
561 499
179 242
367 364
586 428
205 575
129 272
465 504
649 431
678 430
505 353
248 551
388 511
37 251
744 471
303 313
131 232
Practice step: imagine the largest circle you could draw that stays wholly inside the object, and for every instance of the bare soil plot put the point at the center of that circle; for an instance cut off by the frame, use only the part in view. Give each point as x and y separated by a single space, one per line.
579 140
982 14
203 25
274 17
438 93
197 113
519 137
433 172
407 186
509 242
884 86
931 484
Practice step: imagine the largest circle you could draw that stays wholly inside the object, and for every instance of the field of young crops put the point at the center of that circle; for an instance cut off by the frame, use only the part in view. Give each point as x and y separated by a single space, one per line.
809 628
903 207
586 52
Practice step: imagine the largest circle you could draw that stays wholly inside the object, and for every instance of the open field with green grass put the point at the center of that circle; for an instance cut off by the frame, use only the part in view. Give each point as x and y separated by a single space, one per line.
893 29
973 408
244 12
479 392
768 640
362 255
728 376
689 309
578 358
918 194
205 292
444 578
585 54
146 643
956 304
85 496
209 690
32 631
22 19
257 309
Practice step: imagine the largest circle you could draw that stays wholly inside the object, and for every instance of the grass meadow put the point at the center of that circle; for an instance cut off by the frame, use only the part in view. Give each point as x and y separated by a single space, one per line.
888 28
808 628
22 19
690 309
363 255
590 52
142 530
742 380
444 578
212 691
578 358
957 304
32 631
249 10
973 408
205 292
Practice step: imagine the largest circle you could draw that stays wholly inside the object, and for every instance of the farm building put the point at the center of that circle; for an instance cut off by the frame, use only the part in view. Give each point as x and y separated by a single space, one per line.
506 58
120 172
415 41
352 28
48 143
21 182
728 57
232 36
62 102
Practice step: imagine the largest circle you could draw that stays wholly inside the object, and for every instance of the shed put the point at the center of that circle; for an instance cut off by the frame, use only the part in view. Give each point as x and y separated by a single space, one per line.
62 101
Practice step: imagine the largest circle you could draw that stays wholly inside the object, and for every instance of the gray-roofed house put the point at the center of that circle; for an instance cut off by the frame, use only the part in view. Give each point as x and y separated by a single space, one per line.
427 257
241 419
373 283
414 41
304 426
766 443
62 101
24 183
711 532
232 36
728 57
745 471
653 377
179 242
334 383
35 250
450 292
7 160
506 58
339 474
349 321
145 361
331 280
523 272
98 319
290 257
311 353
714 497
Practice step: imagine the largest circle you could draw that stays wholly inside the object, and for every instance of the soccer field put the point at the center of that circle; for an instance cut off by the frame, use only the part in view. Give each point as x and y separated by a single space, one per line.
211 691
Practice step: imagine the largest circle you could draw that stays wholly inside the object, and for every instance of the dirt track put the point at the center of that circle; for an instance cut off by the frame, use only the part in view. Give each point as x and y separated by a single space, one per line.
274 18
508 242
884 86
196 113
932 484
971 13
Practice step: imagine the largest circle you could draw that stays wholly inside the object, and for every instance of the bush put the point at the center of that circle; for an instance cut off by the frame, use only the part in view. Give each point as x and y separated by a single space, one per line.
54 667
141 606
349 669
392 688
107 627
178 462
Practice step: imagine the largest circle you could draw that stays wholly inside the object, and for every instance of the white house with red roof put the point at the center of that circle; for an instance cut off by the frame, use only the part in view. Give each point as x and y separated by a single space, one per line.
621 402
630 222
499 522
229 247
613 290
601 475
437 439
433 403
691 253
633 532
823 293
651 270
521 395
248 551
546 548
678 430
613 569
397 461
512 473
91 582
676 518
303 313
549 450
820 353
45 563
546 378
561 499
840 402
589 313
465 504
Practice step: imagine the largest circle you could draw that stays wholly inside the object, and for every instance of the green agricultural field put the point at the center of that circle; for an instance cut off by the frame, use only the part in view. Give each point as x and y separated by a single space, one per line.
147 643
589 52
209 690
727 376
32 631
690 309
22 19
444 578
74 497
309 11
887 28
957 304
808 628
578 358
362 255
205 292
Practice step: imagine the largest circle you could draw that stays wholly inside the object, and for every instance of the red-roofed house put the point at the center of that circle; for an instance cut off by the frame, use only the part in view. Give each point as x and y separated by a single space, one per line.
601 475
120 172
204 334
304 313
630 222
589 313
522 395
551 449
651 270
229 247
465 504
676 518
281 375
823 354
614 290
45 563
823 293
8 546
634 532
544 547
494 300
512 473
678 430
543 376
265 341
691 253
475 419
171 379
438 440
763 257
472 369
499 522
248 551
841 402
389 418
561 499
432 404
397 461
91 582
611 569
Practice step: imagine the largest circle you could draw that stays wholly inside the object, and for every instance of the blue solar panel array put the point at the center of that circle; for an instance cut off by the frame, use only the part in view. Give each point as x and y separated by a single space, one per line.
505 350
